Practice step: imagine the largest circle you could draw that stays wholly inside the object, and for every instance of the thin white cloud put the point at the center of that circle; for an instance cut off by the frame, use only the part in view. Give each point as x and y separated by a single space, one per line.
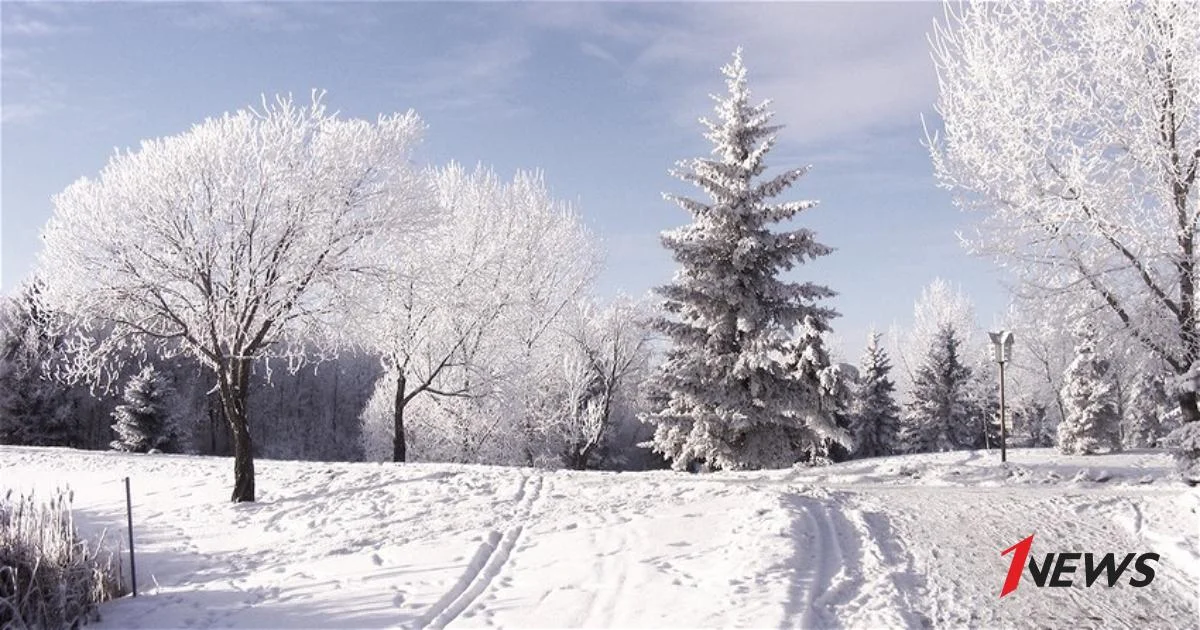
26 94
205 16
596 51
36 20
269 16
479 76
830 69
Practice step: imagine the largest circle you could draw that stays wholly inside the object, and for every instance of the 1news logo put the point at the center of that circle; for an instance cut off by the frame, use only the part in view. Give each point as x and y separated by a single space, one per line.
1064 564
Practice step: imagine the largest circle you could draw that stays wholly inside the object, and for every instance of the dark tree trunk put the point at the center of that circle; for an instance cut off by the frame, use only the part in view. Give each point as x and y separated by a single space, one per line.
1186 236
583 455
1188 404
399 450
234 389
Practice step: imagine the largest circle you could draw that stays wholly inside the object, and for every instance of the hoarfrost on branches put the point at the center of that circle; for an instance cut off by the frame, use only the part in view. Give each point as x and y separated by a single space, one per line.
463 314
250 236
1075 127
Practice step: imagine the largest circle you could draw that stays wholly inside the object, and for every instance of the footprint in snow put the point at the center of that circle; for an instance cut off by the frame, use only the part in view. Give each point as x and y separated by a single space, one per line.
376 559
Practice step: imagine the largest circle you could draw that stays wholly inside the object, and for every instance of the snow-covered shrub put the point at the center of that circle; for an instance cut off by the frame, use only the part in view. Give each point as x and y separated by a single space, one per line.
1031 424
49 578
1184 437
1184 443
145 421
1145 411
1089 397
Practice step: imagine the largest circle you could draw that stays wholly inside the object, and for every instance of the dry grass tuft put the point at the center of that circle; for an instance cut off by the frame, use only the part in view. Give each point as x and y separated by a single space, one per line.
49 578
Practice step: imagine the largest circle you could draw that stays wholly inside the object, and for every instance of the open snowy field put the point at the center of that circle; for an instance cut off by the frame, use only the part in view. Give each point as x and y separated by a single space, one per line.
894 542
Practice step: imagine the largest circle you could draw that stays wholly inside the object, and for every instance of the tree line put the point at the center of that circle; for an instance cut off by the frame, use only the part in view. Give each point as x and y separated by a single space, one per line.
285 240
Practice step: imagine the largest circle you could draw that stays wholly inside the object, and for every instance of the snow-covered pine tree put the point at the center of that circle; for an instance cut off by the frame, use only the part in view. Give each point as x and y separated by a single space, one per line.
732 399
35 410
909 436
838 383
823 387
939 416
1146 409
875 417
1030 424
1090 400
144 422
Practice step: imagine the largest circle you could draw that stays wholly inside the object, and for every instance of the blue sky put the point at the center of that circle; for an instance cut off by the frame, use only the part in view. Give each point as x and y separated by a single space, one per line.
602 97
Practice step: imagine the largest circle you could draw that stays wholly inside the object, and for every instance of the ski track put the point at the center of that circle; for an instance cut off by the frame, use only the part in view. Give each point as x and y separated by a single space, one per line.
488 561
849 570
819 557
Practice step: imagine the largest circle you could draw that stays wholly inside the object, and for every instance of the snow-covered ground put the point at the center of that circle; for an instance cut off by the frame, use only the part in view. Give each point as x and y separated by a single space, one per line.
893 542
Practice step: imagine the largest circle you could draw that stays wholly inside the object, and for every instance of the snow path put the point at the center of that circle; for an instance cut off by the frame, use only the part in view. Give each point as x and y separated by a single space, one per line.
853 570
895 542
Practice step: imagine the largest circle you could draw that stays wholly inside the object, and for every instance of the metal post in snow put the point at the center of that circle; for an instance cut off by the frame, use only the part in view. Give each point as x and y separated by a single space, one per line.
1003 431
1002 351
129 520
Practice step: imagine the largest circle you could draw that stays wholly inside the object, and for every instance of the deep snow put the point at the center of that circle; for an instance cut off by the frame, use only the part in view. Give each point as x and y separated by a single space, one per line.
891 542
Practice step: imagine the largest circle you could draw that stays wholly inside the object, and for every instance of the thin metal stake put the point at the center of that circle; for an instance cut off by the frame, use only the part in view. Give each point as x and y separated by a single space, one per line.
129 518
1003 432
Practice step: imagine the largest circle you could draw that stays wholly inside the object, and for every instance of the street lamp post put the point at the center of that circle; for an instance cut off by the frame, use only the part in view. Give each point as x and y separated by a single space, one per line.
1001 352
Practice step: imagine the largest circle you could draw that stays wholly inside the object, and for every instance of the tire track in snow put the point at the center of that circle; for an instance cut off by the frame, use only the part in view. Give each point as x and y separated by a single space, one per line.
487 562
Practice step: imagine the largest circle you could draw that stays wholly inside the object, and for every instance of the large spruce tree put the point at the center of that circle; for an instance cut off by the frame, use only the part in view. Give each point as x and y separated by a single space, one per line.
732 393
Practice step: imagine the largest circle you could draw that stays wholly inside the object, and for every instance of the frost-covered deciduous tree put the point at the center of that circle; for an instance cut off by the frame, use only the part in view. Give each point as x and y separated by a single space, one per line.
465 309
145 421
728 397
1092 422
606 355
1075 126
940 304
940 415
875 417
253 235
1043 350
